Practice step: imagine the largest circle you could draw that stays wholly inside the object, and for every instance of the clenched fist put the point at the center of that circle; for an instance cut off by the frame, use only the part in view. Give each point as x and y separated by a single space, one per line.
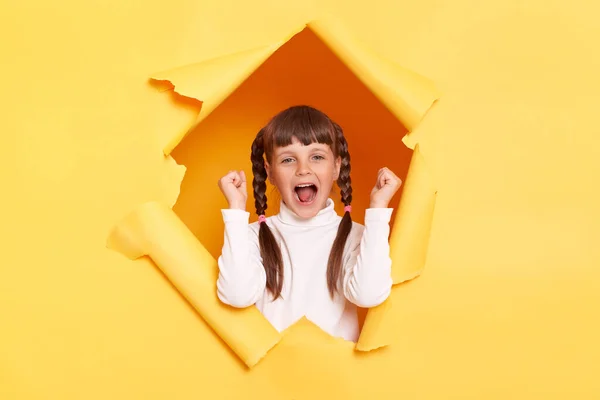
386 187
233 186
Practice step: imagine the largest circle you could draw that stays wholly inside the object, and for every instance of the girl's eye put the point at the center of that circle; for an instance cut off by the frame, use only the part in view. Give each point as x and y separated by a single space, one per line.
319 157
286 160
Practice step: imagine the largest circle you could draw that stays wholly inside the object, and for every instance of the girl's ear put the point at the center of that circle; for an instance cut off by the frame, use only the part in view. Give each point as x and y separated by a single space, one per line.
338 164
268 169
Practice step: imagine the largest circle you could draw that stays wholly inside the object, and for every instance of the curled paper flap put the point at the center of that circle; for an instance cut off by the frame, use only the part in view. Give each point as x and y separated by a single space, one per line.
211 81
405 93
155 230
409 241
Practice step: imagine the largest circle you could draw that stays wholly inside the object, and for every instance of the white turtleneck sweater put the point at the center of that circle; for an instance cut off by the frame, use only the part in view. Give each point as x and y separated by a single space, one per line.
305 247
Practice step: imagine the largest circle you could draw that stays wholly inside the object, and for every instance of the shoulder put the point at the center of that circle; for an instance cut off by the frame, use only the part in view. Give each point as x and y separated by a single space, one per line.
357 226
357 231
255 226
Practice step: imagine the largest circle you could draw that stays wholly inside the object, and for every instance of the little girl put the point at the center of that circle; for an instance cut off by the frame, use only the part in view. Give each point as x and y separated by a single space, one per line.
305 261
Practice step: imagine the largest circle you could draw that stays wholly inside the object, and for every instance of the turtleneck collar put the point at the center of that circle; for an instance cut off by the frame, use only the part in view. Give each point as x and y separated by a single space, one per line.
323 217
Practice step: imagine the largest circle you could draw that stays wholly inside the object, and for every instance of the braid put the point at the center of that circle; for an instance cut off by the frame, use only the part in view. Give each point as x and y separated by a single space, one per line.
260 174
269 249
334 266
344 181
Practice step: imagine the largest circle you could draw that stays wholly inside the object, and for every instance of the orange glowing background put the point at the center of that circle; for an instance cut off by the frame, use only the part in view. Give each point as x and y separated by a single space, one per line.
293 75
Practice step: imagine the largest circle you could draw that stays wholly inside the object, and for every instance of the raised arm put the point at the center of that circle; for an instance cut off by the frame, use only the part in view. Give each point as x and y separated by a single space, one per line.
242 278
367 278
368 269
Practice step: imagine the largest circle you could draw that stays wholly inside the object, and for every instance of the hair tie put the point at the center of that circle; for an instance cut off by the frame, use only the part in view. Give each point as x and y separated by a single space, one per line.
348 208
261 219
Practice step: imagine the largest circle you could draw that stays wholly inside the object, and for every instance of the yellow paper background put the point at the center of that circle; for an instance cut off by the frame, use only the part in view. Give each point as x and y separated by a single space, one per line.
507 303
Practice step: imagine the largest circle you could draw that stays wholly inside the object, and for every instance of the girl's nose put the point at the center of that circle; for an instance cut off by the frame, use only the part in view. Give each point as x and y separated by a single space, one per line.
303 168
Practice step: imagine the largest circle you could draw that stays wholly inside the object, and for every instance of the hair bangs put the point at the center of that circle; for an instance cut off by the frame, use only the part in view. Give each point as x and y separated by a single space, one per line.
304 123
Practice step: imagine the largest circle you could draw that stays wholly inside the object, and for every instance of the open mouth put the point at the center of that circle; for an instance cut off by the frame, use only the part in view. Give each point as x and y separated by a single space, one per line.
306 193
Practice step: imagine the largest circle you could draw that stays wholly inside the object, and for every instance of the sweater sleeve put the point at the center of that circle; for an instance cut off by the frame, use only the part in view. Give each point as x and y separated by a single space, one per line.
367 278
242 278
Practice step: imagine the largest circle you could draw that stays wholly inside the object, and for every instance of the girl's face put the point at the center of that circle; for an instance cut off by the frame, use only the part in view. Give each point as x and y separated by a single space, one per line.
304 176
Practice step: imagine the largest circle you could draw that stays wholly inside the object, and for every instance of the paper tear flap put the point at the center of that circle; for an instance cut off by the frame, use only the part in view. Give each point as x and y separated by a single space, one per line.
155 230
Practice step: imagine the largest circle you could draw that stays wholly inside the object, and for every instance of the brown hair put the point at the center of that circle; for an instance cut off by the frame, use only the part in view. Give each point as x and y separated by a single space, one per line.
308 125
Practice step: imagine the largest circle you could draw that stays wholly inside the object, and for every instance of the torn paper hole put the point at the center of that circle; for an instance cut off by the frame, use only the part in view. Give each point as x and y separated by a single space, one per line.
375 102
